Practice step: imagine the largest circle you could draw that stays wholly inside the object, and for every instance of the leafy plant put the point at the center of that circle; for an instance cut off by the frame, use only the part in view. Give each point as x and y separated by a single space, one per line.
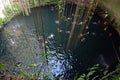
96 73
89 74
3 20
2 66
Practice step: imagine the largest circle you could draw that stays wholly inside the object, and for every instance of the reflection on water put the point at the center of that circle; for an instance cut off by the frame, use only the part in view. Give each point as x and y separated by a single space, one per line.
19 44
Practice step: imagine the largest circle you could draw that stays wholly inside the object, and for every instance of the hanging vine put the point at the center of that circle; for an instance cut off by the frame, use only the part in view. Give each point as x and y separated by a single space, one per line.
81 19
74 23
24 6
60 6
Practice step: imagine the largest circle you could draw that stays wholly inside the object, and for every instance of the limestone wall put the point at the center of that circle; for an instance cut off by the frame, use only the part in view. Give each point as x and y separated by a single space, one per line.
3 3
113 6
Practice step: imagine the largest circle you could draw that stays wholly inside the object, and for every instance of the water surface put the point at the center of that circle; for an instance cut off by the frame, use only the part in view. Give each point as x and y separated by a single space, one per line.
19 44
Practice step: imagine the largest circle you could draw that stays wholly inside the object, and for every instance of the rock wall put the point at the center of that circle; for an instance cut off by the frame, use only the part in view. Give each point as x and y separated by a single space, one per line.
113 7
3 3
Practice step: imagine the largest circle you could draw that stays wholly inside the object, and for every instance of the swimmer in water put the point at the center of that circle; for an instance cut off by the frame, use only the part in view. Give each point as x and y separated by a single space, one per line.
51 35
59 30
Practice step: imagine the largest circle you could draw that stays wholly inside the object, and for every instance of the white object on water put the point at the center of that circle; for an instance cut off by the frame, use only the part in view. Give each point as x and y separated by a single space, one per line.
88 33
81 35
57 21
59 30
68 18
68 32
94 22
14 30
51 35
52 9
46 41
103 62
106 12
83 39
12 41
86 27
81 23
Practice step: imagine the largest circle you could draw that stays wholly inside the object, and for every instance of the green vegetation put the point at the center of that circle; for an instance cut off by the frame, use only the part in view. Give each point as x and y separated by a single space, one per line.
96 73
2 66
11 11
3 21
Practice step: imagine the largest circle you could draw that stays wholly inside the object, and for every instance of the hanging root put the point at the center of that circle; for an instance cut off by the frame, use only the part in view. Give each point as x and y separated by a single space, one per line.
24 6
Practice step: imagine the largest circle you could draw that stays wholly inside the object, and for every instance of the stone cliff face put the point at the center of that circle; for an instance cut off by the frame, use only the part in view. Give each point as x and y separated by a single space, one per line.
3 3
113 7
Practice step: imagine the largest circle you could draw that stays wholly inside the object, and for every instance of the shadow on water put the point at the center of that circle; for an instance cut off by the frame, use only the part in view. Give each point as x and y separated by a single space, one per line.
99 46
94 47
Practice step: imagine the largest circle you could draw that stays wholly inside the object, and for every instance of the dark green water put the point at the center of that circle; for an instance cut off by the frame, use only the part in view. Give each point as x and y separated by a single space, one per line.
18 43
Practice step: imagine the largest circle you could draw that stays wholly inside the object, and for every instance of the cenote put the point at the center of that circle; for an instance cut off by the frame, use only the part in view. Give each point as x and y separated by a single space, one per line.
19 45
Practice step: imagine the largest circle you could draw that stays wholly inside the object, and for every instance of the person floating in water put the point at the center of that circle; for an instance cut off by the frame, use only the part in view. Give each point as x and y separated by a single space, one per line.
51 35
59 30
